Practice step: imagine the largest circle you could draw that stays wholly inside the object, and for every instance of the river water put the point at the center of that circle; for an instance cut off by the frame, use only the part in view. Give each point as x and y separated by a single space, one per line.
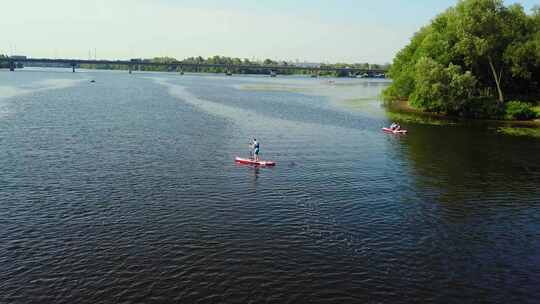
125 191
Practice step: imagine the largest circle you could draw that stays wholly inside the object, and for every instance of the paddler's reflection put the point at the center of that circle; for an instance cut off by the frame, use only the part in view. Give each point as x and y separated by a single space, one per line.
255 176
255 172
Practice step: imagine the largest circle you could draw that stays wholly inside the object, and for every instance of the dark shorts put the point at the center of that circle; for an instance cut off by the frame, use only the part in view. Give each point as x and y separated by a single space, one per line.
256 151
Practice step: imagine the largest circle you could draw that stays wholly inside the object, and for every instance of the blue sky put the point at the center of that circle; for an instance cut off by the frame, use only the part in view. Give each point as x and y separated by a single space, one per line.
307 30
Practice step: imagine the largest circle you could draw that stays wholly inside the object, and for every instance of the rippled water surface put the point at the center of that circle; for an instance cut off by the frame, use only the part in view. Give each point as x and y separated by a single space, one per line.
125 191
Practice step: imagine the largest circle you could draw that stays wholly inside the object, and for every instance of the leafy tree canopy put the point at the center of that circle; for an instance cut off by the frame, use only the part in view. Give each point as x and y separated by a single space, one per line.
479 49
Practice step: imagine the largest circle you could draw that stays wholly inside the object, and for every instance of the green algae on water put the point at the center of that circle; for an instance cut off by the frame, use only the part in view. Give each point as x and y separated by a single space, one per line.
513 131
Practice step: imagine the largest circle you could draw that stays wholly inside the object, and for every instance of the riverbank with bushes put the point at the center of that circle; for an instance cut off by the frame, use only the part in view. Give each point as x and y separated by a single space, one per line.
403 112
477 60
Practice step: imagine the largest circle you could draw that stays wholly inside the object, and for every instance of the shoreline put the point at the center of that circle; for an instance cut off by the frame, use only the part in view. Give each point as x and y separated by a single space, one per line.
403 111
403 107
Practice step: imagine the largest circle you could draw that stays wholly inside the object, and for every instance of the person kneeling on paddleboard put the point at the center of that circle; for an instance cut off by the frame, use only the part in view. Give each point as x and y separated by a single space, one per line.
395 126
256 147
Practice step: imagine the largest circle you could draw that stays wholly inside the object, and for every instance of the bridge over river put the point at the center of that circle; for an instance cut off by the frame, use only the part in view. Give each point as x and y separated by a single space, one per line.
180 66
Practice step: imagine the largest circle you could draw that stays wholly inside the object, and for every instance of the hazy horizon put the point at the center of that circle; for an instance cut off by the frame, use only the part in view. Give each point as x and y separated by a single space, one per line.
313 31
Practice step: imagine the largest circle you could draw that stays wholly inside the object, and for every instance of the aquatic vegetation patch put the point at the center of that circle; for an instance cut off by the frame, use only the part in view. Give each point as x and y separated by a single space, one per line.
368 105
272 87
514 131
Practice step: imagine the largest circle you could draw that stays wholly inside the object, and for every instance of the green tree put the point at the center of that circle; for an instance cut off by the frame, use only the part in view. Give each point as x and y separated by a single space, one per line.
440 88
498 47
479 25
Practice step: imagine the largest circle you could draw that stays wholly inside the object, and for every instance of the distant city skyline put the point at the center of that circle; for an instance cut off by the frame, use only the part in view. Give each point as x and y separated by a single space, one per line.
305 30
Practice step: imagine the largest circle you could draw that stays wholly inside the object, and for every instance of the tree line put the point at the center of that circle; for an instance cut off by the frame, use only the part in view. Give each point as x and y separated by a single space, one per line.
251 67
478 59
4 64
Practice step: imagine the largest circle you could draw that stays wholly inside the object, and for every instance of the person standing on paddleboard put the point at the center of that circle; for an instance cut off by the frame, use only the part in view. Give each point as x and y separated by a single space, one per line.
256 147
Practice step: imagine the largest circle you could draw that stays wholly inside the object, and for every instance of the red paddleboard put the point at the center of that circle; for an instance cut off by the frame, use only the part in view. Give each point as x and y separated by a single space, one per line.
394 131
247 161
